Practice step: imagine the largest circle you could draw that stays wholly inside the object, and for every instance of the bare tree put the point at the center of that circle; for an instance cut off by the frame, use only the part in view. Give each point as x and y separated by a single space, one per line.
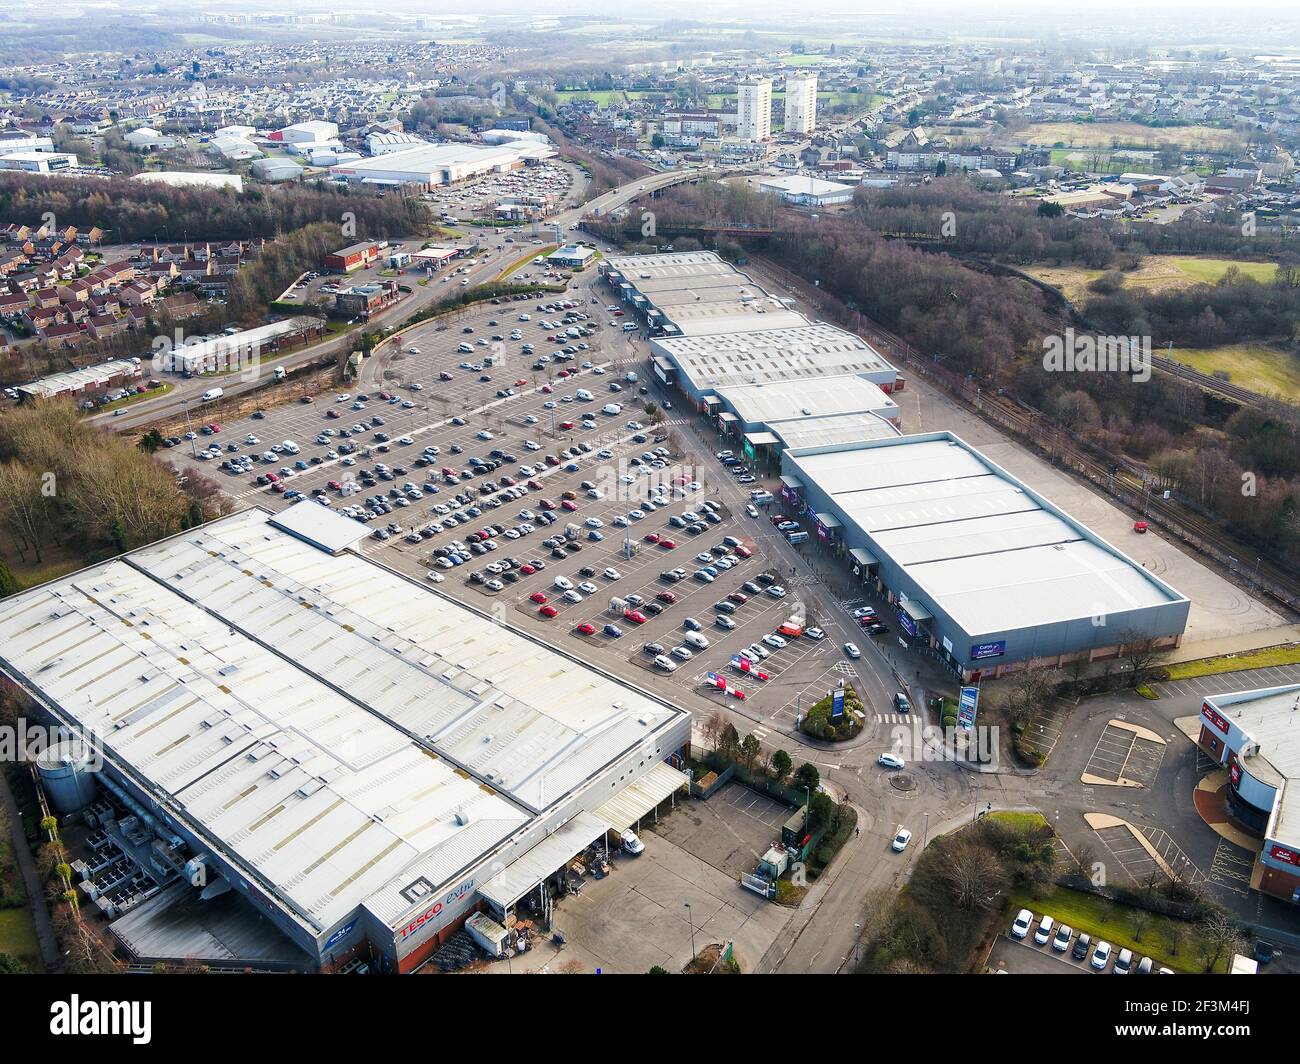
973 875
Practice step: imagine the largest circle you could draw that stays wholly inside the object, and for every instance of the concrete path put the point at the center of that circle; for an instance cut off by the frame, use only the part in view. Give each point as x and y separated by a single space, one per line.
31 880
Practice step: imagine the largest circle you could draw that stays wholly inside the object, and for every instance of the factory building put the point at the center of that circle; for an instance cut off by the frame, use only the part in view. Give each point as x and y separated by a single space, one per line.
236 350
981 571
700 365
431 165
802 191
695 293
1253 735
305 754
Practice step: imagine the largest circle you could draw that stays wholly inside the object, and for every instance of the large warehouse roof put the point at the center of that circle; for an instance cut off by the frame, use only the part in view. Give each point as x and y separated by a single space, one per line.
435 163
698 293
333 728
806 397
992 554
818 350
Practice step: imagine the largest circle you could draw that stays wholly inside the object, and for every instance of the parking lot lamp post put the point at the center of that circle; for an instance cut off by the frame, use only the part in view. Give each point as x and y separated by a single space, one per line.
691 920
185 405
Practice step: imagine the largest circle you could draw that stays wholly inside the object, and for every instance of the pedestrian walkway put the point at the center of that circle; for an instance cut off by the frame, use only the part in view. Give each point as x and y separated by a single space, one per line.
1233 644
31 880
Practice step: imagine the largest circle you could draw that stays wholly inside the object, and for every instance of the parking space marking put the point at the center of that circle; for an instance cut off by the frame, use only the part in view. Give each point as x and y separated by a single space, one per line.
1231 867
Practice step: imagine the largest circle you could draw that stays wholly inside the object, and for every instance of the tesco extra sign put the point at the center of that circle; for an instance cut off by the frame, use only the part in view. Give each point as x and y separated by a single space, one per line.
436 908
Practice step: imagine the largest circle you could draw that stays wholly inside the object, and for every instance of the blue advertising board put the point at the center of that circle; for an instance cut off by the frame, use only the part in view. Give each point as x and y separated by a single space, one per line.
908 625
967 704
837 703
988 650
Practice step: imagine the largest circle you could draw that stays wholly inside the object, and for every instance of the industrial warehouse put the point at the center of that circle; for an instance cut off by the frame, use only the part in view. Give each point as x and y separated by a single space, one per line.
430 165
309 760
983 573
1252 734
980 569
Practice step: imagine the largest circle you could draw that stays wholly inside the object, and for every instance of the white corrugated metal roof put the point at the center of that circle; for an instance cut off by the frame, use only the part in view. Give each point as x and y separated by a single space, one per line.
339 731
978 544
549 855
320 526
642 795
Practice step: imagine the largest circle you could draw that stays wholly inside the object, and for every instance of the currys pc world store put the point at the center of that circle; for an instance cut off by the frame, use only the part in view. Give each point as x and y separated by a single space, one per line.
1252 734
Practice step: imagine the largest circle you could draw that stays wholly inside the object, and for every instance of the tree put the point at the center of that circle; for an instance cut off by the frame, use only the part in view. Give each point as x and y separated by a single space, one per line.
712 728
728 741
781 766
750 748
1139 657
1219 939
973 874
808 778
8 582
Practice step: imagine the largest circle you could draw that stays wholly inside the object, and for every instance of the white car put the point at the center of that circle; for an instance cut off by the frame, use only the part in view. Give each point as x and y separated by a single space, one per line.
851 649
436 578
532 445
890 761
776 591
1023 922
774 641
1045 927
612 574
563 583
1101 956
815 634
901 838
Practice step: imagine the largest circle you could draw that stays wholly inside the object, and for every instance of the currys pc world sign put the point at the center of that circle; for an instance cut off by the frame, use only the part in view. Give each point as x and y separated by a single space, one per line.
988 650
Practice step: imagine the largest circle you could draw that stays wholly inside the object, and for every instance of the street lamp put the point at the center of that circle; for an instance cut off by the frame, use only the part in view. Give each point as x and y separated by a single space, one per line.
690 920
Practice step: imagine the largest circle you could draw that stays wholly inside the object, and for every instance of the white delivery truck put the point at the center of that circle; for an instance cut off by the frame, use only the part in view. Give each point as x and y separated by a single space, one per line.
211 394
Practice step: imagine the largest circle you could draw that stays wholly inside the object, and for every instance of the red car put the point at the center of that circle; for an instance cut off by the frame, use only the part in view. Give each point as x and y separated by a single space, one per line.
569 504
520 382
334 485
666 596
652 537
586 628
635 616
668 544
547 504
547 389
778 518
534 485
563 374
744 552
547 611
272 477
331 413
539 597
565 425
551 460
527 570
278 486
738 597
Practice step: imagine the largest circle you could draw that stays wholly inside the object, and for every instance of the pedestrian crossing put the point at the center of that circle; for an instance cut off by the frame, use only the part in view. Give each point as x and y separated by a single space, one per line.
894 718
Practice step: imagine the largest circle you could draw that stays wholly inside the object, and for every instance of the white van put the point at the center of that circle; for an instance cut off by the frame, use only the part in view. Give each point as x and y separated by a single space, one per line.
211 394
611 409
695 640
465 349
583 394
631 377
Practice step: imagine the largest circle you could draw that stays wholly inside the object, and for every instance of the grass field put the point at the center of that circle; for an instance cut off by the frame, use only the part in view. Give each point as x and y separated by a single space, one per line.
1259 367
1127 135
1157 273
802 60
1113 922
1256 659
18 936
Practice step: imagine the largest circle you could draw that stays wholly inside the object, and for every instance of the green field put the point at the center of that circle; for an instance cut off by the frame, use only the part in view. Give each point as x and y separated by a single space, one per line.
1128 135
803 60
1260 368
1156 273
1114 923
1254 659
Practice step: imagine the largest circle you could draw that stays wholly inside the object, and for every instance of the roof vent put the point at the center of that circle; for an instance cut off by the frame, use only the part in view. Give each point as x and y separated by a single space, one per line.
462 818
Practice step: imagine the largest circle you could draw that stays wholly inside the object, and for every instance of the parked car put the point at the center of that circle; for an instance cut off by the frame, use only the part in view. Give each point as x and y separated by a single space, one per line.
1023 921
